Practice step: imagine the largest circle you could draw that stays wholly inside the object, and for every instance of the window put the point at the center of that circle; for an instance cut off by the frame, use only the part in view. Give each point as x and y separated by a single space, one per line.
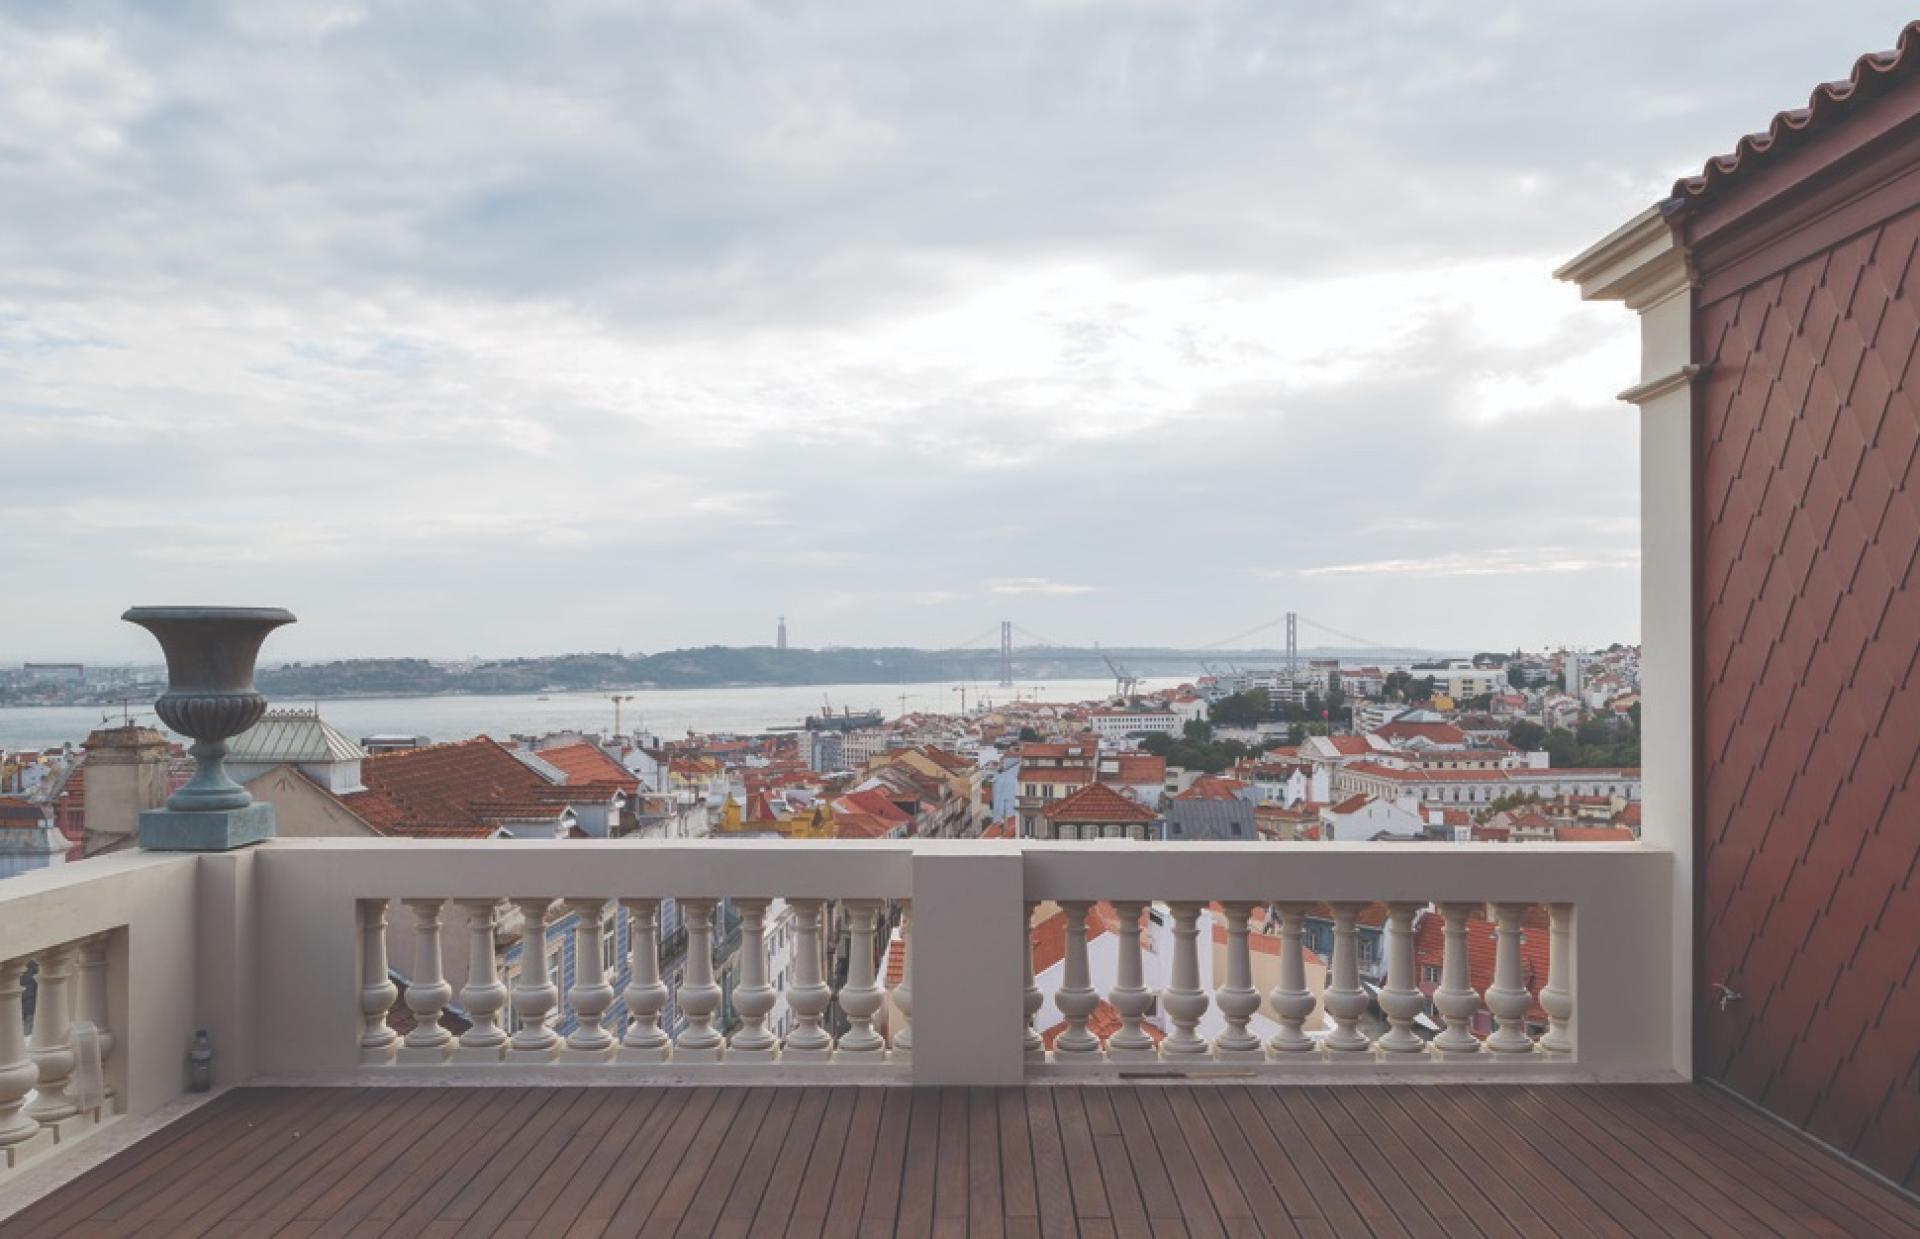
1430 974
610 949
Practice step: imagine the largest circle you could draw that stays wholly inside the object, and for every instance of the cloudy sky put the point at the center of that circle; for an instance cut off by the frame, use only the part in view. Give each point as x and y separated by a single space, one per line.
508 328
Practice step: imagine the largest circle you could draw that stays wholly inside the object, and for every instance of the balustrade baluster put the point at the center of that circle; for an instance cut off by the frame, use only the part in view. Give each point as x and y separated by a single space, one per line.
19 1133
1129 995
902 1037
808 995
1291 1000
484 995
1031 1001
428 992
535 996
644 1040
1400 997
860 997
1557 998
1507 997
753 998
590 995
1455 999
1346 1001
51 1044
1237 999
1076 997
1183 999
378 1042
699 1042
93 1002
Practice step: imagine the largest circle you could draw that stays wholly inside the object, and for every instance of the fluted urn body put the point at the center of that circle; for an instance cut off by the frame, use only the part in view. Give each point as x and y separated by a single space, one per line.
210 696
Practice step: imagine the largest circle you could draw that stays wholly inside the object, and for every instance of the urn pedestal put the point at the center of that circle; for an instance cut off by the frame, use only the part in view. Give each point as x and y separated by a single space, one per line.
210 697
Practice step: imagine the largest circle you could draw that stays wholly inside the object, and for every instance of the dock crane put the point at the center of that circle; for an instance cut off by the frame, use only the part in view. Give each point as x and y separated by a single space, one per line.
1123 684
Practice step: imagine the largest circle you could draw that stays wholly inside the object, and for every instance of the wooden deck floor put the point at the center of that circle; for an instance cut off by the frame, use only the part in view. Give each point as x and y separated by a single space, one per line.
1147 1160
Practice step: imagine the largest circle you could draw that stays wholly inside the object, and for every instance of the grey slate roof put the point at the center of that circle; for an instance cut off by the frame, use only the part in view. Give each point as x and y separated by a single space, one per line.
292 737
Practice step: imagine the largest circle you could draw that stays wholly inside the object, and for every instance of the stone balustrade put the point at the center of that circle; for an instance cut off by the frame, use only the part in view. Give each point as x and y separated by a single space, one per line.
338 960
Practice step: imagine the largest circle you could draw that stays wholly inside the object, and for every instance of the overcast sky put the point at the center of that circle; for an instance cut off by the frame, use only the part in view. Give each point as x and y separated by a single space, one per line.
510 328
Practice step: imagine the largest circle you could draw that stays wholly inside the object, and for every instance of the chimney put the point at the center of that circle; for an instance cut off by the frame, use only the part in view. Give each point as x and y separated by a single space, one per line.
126 774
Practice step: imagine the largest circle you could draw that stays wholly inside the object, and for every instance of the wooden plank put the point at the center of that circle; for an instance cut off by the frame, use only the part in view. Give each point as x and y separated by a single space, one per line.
1221 1131
1728 1203
160 1202
1375 1212
952 1167
639 1179
1511 1170
1228 1200
329 1148
543 1173
985 1203
923 1156
883 1181
1149 1173
736 1216
1019 1198
829 1145
1050 1180
1448 1193
1629 1172
207 1127
632 1132
676 1195
1467 1165
1287 1179
856 1163
1847 1192
716 1186
1083 1160
1189 1185
459 1191
1363 1154
1124 1202
1597 1188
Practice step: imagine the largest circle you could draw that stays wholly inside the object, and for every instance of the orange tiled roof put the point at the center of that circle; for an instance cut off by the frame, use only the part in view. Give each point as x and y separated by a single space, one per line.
1592 834
1097 803
1429 951
1212 787
585 764
434 790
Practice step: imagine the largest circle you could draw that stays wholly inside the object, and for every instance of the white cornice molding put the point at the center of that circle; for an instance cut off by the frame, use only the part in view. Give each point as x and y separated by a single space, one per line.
1639 263
1653 389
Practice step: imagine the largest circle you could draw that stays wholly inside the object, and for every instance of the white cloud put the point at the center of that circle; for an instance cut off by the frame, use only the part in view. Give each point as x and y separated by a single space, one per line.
1040 586
1494 561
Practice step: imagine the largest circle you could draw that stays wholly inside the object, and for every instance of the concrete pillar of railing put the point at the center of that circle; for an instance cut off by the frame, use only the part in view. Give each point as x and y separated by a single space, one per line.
1507 997
591 995
644 1041
1400 997
428 990
1129 996
51 1045
699 1041
1346 1002
1237 999
20 1135
227 960
1183 1000
969 930
753 998
860 997
1291 1000
1030 997
900 1039
1557 998
535 995
484 995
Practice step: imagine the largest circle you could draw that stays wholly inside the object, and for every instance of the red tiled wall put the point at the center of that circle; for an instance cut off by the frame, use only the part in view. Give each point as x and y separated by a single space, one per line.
1810 601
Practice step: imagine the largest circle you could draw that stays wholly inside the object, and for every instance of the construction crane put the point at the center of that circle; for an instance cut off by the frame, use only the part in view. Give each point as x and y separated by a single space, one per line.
1123 684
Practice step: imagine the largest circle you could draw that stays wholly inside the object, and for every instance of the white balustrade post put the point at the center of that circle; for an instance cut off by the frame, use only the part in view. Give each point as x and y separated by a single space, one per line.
860 997
1346 1001
378 1042
1031 1001
1237 999
590 995
535 996
753 998
1507 997
484 995
808 996
699 1042
1129 995
902 1037
1183 999
93 1000
1076 998
1557 997
51 1045
428 991
19 1134
1455 999
1291 1000
1400 997
644 1040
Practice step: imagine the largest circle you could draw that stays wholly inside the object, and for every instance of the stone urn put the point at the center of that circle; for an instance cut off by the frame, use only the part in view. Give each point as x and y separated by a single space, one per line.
210 695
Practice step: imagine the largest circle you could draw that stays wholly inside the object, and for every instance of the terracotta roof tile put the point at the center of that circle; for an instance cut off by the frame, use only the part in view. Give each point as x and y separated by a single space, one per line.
1097 803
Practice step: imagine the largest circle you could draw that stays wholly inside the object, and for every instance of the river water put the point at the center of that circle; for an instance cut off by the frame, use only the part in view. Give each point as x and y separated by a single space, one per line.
668 713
